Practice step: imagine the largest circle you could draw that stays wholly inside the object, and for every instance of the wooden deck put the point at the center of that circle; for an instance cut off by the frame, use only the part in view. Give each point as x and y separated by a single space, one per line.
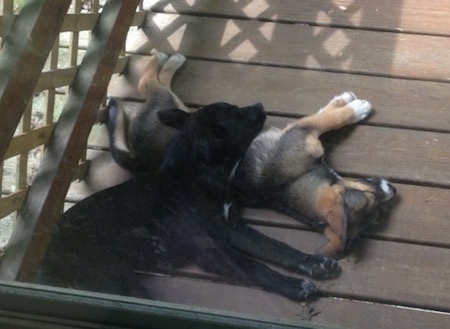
293 56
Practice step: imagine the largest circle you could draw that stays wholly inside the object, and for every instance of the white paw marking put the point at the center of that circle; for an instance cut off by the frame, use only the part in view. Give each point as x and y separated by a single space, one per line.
162 57
361 108
177 59
340 100
347 97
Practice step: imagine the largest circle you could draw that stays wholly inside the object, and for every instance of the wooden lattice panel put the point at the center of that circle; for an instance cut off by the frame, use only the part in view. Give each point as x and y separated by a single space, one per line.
41 90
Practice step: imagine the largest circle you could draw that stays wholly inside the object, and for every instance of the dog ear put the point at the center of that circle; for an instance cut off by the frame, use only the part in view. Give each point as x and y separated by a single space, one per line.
174 118
355 200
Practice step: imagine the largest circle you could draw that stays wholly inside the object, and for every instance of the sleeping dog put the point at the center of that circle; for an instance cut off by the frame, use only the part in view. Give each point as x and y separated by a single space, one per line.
282 169
184 213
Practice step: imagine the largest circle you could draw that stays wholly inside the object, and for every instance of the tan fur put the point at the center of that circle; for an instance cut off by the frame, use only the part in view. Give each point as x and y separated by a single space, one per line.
326 120
157 77
149 81
289 162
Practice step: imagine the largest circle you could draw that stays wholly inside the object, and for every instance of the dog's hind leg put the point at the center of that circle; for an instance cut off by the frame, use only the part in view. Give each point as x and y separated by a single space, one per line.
331 119
169 68
166 74
283 155
339 101
149 81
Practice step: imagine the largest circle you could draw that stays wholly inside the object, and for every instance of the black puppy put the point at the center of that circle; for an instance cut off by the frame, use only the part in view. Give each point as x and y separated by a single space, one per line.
183 214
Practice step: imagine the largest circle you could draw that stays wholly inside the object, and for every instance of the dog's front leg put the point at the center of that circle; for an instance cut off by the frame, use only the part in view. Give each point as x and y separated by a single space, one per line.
255 244
334 247
236 266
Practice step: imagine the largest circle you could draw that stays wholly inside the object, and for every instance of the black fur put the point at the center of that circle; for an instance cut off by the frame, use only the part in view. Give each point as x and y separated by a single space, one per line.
176 217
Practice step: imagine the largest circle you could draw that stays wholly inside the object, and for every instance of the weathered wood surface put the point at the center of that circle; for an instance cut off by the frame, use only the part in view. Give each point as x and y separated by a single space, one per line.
63 77
292 45
332 311
12 202
372 274
77 22
293 56
375 290
430 17
28 141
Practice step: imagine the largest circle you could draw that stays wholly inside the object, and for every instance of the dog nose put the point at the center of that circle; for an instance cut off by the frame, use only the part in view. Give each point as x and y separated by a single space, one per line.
388 189
258 106
256 109
255 113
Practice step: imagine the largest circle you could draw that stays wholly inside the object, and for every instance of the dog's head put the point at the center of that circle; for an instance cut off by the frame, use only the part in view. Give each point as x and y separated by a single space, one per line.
363 200
211 141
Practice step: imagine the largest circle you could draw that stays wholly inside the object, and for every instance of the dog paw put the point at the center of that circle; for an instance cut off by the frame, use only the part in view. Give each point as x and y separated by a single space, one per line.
175 61
344 98
307 290
298 289
339 101
361 109
162 57
319 267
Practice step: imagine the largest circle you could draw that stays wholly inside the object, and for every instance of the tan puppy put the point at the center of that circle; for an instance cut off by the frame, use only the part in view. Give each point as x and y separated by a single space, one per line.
283 168
138 139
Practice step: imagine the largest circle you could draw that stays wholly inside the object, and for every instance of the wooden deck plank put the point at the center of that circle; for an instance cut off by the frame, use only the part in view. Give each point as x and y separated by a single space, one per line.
397 154
319 48
406 155
291 92
385 272
390 272
284 91
414 16
325 311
